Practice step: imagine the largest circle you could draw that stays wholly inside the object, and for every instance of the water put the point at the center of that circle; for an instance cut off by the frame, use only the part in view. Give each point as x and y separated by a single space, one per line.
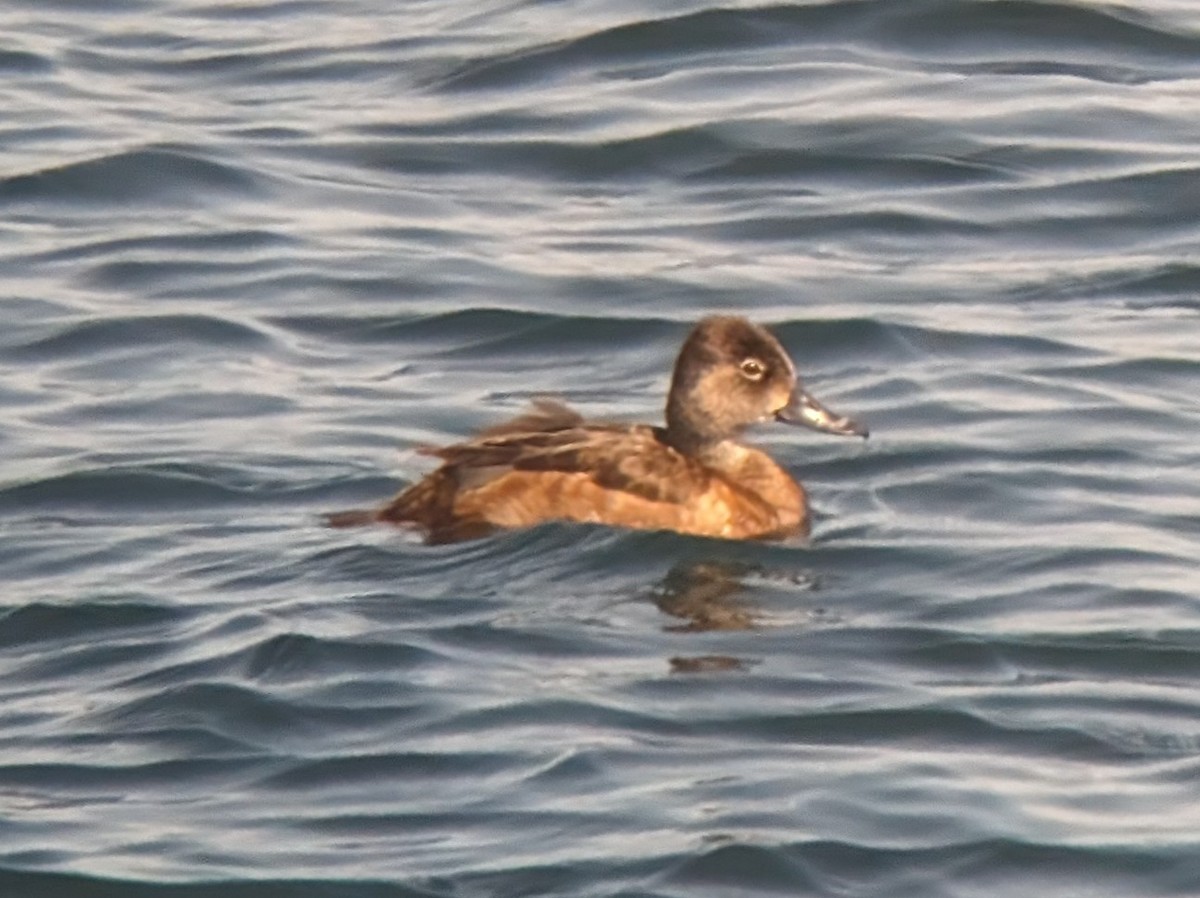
251 249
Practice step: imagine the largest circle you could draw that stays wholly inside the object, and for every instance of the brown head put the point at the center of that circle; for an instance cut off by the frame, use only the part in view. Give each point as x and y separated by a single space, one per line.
730 374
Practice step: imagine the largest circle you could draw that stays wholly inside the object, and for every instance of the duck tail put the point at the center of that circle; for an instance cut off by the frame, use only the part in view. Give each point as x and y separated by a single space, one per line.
426 502
417 504
352 517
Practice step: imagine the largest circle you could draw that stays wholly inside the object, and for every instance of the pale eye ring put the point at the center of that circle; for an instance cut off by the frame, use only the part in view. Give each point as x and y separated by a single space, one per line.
753 369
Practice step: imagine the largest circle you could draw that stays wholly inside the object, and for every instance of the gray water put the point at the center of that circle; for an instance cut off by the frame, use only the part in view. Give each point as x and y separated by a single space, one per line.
249 250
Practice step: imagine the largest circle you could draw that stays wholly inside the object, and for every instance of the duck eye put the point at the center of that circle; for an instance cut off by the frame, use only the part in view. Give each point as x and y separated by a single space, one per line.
753 369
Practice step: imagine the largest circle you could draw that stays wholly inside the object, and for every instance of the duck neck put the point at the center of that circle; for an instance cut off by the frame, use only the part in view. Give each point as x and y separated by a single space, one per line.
689 433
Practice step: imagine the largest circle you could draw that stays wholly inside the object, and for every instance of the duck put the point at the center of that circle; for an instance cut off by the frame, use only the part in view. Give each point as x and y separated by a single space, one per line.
693 475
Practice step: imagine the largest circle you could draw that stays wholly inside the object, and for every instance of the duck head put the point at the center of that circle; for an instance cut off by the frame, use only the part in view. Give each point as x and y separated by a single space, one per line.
732 373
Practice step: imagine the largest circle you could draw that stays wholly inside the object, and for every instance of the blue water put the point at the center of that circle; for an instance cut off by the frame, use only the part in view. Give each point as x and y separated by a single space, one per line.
248 250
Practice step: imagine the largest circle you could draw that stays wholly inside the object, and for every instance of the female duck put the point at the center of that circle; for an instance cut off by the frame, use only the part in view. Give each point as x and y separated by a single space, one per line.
691 476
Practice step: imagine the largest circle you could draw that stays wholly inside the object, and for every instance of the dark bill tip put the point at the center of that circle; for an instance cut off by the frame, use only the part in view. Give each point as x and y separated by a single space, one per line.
806 411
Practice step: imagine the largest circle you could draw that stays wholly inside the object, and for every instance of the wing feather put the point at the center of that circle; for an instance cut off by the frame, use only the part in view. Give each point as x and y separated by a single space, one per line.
618 457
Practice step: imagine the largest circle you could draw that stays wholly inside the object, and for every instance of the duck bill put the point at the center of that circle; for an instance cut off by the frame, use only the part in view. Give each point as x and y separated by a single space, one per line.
804 409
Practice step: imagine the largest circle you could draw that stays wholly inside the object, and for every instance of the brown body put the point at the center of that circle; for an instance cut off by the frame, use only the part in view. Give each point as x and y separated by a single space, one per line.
601 474
691 476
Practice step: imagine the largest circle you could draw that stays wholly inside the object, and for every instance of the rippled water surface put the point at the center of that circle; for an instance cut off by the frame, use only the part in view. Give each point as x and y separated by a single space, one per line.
248 250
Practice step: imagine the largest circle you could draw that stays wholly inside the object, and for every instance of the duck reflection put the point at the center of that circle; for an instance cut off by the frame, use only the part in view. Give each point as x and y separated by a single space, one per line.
708 595
706 663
